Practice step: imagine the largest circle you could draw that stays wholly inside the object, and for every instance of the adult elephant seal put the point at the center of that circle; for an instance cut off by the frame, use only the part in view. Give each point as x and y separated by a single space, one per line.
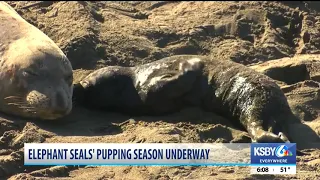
251 99
35 75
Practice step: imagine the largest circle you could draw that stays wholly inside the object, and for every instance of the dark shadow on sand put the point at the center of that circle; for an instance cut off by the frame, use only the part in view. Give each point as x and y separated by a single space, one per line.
304 136
85 122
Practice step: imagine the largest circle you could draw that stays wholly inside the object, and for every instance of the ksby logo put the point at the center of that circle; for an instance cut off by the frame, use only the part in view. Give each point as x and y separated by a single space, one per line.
273 153
279 151
283 151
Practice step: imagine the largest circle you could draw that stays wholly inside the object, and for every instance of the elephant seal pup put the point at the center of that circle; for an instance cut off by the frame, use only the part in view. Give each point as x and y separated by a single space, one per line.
251 99
150 89
35 75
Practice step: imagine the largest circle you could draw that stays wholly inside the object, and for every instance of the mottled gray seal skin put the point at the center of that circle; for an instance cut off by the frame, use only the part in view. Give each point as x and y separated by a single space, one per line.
35 75
249 98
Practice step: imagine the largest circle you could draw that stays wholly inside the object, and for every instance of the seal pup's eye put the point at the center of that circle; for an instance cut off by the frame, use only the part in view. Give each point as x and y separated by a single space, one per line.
29 73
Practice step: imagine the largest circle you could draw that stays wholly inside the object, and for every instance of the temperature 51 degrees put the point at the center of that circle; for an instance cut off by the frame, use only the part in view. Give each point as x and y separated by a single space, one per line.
284 169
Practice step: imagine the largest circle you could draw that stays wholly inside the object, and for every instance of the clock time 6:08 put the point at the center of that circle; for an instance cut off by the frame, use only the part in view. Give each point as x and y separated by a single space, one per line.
262 169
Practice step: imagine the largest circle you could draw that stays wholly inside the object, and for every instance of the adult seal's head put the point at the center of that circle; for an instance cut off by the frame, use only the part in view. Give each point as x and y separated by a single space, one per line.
35 75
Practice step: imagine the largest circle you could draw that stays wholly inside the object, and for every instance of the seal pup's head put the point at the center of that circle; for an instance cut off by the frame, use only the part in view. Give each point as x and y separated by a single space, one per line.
37 81
110 88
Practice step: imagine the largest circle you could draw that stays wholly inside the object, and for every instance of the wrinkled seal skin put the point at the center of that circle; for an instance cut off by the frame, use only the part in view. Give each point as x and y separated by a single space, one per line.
35 75
249 98
253 99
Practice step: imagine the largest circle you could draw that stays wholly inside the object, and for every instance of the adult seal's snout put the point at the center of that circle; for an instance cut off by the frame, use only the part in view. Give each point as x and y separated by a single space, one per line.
35 75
